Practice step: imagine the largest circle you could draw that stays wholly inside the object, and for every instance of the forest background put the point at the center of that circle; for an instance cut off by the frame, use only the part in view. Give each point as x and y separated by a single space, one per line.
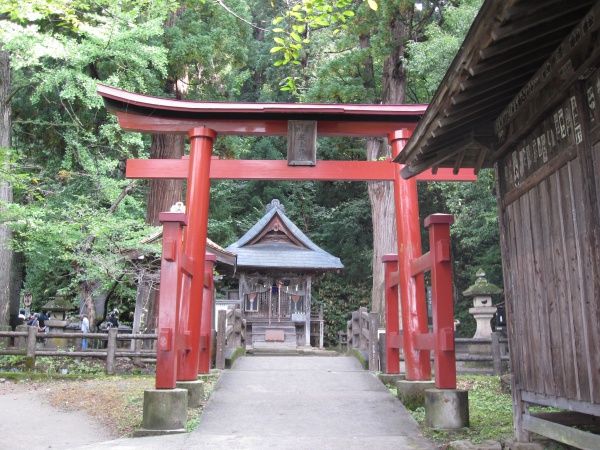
69 216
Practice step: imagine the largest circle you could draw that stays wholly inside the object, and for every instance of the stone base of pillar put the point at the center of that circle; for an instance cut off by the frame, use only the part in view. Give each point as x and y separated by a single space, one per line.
195 390
446 409
412 393
165 412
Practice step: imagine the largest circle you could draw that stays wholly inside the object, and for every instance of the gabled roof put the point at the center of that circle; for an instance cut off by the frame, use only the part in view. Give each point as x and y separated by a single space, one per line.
275 242
496 68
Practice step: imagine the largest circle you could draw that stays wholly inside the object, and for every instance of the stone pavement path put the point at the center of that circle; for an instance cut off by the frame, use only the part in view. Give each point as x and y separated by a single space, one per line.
295 403
305 403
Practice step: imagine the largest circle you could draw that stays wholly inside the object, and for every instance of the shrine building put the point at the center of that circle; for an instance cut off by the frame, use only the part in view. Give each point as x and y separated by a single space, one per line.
276 265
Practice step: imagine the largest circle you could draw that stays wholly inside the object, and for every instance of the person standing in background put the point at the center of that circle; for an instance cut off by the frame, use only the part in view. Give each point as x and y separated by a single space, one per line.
85 328
112 321
21 317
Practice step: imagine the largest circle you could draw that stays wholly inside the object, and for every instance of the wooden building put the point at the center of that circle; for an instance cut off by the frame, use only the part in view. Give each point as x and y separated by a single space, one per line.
276 264
523 96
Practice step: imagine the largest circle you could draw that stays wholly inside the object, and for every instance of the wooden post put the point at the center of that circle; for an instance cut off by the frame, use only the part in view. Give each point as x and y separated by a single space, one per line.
362 325
307 308
198 196
111 349
31 341
21 341
355 341
243 334
496 354
237 329
392 319
321 330
221 329
349 336
206 319
442 300
412 290
373 342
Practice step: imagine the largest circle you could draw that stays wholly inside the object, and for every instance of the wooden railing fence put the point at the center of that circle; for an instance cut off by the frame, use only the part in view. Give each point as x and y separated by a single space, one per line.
499 351
362 336
231 335
498 344
25 345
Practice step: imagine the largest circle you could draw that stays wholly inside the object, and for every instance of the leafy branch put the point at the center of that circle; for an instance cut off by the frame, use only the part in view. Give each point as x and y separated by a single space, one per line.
299 21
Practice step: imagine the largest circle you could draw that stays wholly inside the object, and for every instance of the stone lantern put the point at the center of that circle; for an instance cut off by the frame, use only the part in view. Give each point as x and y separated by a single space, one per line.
482 310
57 310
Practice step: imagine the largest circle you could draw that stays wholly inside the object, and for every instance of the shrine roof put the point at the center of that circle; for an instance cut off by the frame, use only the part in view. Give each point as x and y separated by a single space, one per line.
296 252
148 114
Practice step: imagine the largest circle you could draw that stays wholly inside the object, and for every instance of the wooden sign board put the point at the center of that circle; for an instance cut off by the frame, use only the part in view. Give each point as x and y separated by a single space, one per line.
549 146
302 143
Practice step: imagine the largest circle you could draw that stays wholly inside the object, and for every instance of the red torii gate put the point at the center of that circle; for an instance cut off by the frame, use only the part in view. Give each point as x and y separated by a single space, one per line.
182 327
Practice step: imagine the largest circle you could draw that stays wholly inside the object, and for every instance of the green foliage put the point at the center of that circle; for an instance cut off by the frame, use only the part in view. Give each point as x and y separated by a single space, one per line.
66 163
9 361
54 365
210 61
427 60
67 160
475 236
293 30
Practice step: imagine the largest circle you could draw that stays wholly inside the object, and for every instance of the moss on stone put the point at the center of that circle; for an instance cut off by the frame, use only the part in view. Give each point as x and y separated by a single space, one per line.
358 355
235 354
482 287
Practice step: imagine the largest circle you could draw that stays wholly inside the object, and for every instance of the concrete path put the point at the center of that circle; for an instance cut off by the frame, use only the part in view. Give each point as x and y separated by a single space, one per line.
29 423
295 402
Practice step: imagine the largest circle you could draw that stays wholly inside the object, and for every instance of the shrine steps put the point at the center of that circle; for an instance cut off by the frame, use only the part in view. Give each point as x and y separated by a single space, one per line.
278 336
267 351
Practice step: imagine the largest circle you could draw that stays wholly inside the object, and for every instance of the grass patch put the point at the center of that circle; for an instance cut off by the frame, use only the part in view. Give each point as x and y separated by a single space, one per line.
490 412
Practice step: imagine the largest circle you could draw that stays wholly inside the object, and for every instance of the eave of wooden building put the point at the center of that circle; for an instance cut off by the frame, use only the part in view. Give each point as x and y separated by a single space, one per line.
489 82
223 256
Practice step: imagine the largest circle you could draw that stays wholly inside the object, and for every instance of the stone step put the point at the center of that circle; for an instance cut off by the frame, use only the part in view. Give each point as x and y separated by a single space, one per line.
273 352
288 339
274 346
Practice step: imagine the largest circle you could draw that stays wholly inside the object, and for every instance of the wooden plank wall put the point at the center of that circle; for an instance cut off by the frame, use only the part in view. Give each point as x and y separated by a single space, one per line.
550 226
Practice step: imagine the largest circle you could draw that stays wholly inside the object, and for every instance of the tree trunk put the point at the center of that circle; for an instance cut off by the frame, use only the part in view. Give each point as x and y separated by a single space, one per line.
381 193
147 280
87 294
6 192
162 194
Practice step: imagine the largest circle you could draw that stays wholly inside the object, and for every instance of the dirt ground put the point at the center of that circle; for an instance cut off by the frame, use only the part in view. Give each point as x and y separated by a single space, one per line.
28 421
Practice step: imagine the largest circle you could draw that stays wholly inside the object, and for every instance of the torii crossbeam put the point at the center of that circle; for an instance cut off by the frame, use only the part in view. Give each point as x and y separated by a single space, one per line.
202 121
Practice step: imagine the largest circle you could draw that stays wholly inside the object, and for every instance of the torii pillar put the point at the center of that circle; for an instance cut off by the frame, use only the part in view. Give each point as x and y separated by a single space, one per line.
412 290
197 201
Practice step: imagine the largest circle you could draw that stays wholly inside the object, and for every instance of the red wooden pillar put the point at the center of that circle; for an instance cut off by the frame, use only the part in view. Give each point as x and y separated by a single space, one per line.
392 317
169 300
206 320
443 301
198 196
412 290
